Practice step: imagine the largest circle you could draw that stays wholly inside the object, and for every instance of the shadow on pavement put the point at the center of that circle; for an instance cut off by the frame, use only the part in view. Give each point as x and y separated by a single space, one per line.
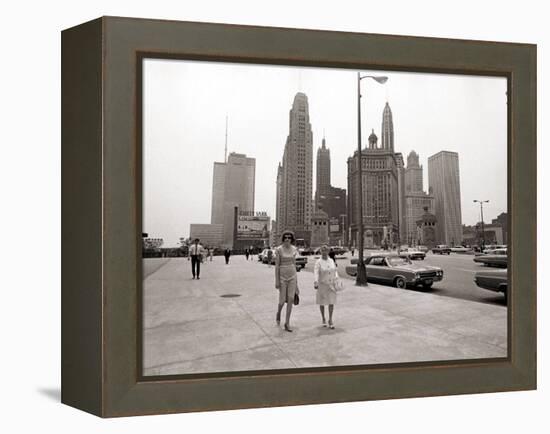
52 393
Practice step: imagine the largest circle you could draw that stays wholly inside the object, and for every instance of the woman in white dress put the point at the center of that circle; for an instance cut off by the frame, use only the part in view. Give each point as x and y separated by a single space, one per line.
325 276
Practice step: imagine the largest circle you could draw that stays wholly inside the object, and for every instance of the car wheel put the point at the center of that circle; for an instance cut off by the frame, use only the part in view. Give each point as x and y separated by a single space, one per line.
399 282
427 285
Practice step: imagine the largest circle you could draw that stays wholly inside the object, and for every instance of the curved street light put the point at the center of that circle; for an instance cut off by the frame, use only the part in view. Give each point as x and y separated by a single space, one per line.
361 279
481 202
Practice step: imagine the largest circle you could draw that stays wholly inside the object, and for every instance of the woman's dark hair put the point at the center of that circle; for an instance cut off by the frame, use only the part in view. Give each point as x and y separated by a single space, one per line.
286 233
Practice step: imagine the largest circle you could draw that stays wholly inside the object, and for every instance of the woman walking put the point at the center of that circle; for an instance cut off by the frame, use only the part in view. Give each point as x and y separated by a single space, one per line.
325 279
286 280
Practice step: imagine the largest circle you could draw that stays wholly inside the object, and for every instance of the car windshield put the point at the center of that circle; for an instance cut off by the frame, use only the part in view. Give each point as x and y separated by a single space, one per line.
396 261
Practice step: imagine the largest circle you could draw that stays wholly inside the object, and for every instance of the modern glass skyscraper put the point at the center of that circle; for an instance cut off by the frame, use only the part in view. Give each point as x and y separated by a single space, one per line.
233 186
218 193
444 181
295 205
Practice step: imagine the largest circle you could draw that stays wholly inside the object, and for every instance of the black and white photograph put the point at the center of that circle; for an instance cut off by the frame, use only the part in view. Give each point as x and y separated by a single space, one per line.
267 246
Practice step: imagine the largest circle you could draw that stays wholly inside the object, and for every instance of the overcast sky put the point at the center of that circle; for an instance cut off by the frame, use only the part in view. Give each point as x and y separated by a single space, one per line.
185 105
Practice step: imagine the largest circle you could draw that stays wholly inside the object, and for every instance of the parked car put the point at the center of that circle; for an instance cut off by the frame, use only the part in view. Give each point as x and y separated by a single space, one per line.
306 251
497 258
265 253
262 254
493 280
461 249
422 249
339 251
441 249
301 261
412 253
398 271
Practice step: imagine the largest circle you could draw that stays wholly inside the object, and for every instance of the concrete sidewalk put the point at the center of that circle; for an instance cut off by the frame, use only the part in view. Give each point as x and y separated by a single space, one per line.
191 328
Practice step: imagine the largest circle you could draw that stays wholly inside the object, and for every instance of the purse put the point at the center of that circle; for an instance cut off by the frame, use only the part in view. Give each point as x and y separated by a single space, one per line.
296 299
338 284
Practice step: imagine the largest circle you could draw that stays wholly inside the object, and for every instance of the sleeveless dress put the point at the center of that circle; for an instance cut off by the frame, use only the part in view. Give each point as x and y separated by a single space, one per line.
325 274
287 274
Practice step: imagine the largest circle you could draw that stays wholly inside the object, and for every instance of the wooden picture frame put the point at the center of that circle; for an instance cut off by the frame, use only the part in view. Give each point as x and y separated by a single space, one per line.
101 215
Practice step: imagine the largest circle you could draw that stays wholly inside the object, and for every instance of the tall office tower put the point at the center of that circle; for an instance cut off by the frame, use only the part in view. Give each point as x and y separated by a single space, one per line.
380 186
387 128
218 193
331 200
279 206
297 172
240 175
233 185
400 163
416 200
413 174
323 170
444 181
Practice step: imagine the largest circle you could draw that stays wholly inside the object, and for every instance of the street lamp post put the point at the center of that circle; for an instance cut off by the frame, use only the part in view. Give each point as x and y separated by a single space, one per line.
481 202
361 279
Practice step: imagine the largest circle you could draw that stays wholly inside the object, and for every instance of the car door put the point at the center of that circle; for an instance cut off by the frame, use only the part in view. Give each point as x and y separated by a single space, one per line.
375 268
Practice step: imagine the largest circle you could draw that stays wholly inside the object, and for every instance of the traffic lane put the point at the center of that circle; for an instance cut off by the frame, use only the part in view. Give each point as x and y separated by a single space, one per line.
458 278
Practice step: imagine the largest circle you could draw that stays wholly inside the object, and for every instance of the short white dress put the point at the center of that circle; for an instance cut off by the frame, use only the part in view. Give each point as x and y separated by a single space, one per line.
325 275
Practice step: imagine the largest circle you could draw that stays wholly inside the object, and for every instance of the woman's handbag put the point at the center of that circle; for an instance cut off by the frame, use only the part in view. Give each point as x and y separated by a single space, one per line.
296 299
338 284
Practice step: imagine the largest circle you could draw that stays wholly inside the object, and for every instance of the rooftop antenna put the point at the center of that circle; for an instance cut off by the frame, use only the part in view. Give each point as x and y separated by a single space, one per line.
225 155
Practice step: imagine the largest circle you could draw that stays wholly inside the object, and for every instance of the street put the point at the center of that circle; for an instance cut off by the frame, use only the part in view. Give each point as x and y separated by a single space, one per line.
226 321
458 279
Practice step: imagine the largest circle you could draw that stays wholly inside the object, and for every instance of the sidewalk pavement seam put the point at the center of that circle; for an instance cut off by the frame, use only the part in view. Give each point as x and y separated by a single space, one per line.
267 335
164 365
167 260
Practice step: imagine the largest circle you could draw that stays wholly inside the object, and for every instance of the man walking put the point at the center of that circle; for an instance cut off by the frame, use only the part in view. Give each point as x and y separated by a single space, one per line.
195 254
227 254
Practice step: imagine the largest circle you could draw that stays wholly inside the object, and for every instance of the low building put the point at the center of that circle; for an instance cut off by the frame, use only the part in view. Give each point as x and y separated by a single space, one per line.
210 235
426 227
319 228
251 230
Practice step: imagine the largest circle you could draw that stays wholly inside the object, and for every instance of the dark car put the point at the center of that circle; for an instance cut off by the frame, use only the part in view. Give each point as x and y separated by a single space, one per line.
497 258
398 271
441 249
493 280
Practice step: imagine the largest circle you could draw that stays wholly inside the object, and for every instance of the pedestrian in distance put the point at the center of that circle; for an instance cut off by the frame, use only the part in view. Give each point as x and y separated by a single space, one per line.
211 253
327 283
269 257
227 255
196 252
246 253
286 279
332 255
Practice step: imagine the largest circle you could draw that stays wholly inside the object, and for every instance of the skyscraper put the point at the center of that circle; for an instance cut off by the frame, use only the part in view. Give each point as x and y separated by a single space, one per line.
331 200
323 169
295 205
382 195
218 193
444 181
233 186
417 202
387 128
